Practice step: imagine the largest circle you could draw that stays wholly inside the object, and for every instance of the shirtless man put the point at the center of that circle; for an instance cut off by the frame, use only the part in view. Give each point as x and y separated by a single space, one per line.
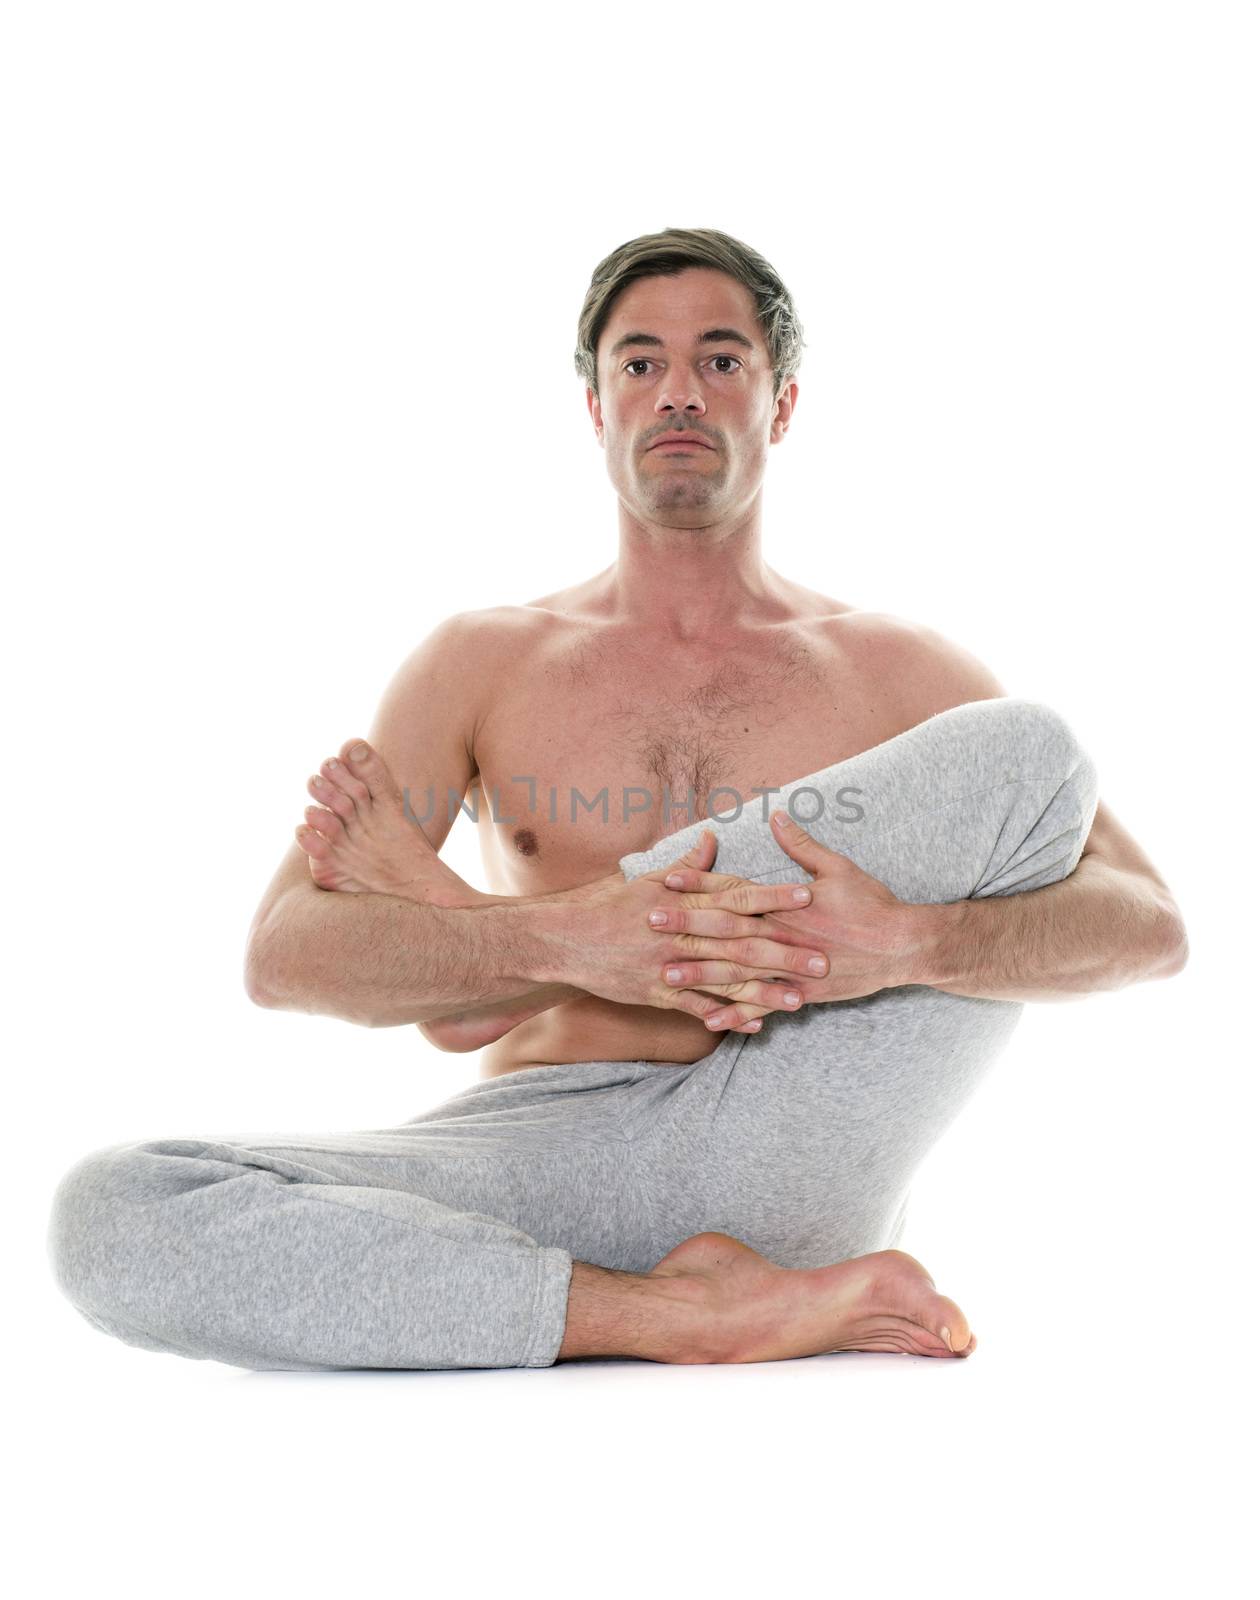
585 726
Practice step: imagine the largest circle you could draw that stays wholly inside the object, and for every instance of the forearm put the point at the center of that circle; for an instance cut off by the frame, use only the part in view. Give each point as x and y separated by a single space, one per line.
384 961
1098 929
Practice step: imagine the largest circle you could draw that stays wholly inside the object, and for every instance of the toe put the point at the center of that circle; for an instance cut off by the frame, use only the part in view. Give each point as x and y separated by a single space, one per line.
368 767
326 823
338 775
313 843
327 793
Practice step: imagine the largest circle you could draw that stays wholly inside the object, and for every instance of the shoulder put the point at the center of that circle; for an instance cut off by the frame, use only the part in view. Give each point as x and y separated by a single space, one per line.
931 671
470 642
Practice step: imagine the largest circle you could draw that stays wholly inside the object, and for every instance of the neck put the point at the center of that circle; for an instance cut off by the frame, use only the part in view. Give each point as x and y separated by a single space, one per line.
692 583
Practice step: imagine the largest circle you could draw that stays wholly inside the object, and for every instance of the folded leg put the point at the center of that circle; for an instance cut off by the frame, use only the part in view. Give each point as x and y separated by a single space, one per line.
446 1242
802 1140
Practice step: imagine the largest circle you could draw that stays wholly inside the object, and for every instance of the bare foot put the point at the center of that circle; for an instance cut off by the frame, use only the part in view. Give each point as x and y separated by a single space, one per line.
359 839
760 1312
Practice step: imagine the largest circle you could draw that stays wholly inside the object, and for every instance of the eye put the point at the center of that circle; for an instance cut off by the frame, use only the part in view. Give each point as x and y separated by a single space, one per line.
642 361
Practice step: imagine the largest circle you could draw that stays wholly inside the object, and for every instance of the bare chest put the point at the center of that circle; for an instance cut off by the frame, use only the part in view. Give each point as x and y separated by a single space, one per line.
589 754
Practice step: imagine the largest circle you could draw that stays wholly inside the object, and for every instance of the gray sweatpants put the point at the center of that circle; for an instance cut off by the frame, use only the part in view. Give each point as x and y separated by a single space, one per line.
449 1241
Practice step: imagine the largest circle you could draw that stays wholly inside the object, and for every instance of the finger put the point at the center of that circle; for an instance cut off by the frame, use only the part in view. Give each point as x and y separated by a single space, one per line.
731 1016
694 864
709 924
801 846
695 879
733 893
704 1006
702 854
773 996
770 954
734 983
738 895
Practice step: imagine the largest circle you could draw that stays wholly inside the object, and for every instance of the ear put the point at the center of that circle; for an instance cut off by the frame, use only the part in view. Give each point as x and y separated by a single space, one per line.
597 415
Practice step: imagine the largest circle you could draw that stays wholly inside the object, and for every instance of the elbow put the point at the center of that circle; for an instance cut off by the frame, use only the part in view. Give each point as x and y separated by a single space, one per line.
1178 958
277 982
259 978
445 1033
1177 946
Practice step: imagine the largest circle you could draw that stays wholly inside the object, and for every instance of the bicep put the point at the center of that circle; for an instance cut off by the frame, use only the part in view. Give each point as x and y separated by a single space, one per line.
423 732
423 727
1112 846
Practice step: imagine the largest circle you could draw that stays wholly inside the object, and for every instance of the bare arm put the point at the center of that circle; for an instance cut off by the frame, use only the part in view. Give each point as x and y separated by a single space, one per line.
1110 923
385 959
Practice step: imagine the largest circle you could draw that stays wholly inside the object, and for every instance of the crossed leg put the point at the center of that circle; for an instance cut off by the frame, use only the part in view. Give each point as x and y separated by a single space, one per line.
420 1246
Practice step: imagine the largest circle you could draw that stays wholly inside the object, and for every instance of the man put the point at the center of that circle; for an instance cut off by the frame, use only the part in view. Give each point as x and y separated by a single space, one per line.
704 1092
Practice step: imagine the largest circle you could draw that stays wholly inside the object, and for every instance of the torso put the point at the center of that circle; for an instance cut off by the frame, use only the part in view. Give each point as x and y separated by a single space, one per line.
611 724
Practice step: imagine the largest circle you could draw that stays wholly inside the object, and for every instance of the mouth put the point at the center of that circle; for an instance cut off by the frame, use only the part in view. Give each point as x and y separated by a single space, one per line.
682 444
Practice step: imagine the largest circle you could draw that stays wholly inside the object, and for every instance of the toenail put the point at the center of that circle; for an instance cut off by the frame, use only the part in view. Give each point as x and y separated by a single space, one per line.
817 964
333 762
318 782
359 753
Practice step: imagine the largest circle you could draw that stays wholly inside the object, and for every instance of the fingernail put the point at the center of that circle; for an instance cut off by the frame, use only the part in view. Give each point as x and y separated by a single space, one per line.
658 919
673 975
782 818
817 964
674 881
800 895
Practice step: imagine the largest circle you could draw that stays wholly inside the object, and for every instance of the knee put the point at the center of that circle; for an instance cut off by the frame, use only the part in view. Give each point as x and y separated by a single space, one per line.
1033 741
100 1236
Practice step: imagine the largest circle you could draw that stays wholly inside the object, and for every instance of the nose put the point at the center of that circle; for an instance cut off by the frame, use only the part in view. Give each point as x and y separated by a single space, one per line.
680 399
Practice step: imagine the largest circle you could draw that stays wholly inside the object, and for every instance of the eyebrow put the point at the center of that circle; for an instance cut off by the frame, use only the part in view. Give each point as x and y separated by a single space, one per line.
713 336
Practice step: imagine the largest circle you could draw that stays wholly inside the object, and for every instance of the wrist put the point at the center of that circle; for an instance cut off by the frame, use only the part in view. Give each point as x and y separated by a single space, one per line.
545 940
931 937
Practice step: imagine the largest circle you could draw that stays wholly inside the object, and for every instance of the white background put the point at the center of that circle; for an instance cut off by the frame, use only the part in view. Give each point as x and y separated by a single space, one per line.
291 298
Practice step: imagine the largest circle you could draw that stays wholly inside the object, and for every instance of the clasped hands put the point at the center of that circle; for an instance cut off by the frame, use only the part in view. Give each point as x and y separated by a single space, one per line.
732 950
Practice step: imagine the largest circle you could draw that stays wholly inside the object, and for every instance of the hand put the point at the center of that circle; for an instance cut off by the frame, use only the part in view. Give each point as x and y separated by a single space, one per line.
870 939
616 953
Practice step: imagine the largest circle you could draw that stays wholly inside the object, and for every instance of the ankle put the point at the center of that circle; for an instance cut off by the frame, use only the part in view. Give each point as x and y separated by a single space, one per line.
635 1315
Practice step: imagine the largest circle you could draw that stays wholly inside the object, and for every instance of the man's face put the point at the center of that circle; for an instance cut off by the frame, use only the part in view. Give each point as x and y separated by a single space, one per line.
686 354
